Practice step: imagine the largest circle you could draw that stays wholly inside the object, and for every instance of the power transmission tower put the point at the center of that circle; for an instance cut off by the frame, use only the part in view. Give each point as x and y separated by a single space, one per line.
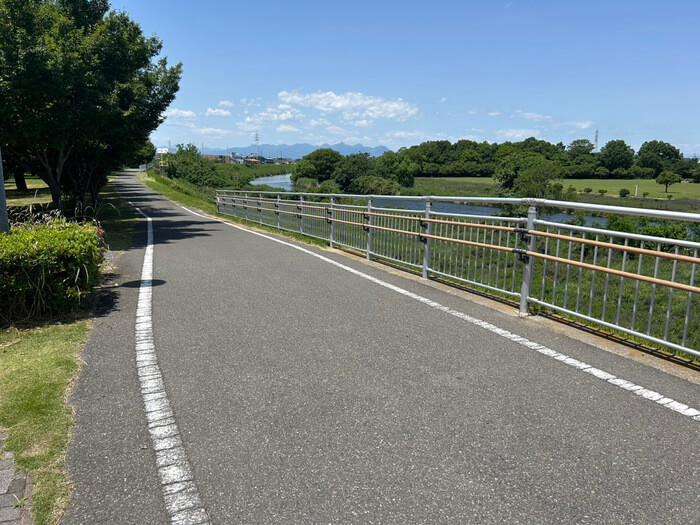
596 141
257 143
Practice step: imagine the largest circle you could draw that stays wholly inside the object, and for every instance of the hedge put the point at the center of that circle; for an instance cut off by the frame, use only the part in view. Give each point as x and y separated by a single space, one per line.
47 269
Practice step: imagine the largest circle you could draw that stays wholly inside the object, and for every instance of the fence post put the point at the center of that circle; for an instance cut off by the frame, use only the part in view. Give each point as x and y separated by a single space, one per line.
529 263
332 239
4 221
246 207
426 240
279 215
370 222
301 212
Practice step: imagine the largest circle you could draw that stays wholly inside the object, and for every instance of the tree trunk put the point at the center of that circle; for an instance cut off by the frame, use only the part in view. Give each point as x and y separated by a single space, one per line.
20 181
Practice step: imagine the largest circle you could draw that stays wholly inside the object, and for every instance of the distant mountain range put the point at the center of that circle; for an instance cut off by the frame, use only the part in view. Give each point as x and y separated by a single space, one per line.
296 151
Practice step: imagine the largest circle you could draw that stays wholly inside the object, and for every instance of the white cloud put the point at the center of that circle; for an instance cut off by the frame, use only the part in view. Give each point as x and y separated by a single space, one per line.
280 113
285 128
226 104
443 100
216 132
362 123
335 130
351 105
585 124
319 122
493 113
473 112
405 134
218 112
536 117
516 134
180 113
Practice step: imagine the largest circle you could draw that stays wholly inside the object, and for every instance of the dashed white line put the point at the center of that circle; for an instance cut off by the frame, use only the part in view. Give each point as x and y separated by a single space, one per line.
180 493
650 395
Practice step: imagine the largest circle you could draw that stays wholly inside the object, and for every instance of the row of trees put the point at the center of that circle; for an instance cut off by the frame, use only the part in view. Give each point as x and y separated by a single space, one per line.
578 160
327 171
81 89
531 168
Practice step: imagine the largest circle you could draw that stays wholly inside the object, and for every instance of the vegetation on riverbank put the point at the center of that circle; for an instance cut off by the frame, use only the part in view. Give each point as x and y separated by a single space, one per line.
187 164
685 197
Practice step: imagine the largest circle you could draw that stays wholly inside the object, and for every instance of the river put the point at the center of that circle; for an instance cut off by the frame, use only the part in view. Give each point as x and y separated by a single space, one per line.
284 182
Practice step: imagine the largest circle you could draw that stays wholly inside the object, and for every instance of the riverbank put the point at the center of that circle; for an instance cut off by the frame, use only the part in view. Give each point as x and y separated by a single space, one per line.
684 197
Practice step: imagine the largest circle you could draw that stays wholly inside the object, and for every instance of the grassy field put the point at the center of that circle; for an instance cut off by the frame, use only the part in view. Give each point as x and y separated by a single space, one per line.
37 367
38 193
685 197
203 199
38 363
656 191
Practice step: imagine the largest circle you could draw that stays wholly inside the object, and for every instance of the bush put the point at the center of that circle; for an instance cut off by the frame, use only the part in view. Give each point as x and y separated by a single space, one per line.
47 269
602 191
623 192
587 189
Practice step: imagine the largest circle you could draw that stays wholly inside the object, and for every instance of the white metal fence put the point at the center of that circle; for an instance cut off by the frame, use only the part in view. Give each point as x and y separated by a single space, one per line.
640 285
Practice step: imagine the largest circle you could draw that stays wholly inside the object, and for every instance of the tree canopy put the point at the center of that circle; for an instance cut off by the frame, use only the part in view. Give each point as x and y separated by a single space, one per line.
81 88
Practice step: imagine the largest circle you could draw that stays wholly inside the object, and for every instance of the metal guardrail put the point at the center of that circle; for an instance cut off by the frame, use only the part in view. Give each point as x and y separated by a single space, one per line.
639 285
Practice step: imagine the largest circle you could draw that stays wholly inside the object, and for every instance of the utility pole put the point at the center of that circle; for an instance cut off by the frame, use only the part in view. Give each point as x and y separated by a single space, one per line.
4 221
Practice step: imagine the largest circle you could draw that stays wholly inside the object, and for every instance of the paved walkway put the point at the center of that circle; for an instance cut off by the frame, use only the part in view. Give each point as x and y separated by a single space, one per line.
251 379
14 500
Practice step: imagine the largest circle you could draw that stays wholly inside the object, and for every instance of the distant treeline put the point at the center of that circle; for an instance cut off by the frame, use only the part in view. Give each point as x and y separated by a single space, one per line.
526 168
187 163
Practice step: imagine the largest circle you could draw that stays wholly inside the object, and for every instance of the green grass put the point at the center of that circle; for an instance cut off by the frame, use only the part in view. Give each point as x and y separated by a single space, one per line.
37 367
453 186
38 193
656 191
116 218
684 196
203 199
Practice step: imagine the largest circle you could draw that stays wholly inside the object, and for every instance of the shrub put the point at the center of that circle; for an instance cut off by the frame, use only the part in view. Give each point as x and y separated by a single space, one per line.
47 269
602 191
623 192
587 189
645 194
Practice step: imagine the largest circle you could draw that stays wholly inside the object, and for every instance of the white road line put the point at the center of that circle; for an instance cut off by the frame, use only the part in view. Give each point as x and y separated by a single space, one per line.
177 482
575 363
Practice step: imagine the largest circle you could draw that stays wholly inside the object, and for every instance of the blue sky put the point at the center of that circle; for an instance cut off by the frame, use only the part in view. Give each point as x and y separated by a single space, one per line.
399 73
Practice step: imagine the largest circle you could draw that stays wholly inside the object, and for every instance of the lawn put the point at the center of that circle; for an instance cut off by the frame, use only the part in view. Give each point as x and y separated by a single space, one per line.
684 197
38 193
38 363
656 191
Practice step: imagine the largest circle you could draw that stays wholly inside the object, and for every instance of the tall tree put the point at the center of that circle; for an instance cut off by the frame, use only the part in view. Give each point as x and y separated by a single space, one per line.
659 156
579 148
80 89
616 154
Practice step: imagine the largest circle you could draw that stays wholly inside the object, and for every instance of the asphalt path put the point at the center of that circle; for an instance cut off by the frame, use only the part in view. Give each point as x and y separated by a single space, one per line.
304 393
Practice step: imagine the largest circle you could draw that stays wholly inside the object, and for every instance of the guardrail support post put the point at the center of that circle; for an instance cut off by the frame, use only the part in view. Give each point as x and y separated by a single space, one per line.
279 215
528 267
428 244
301 211
332 239
4 221
370 221
246 207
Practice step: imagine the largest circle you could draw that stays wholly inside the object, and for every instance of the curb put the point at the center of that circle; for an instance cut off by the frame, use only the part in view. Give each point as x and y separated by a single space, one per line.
15 491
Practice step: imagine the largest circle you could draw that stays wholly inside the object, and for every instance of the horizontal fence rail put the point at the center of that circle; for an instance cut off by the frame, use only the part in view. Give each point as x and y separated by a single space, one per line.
639 285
